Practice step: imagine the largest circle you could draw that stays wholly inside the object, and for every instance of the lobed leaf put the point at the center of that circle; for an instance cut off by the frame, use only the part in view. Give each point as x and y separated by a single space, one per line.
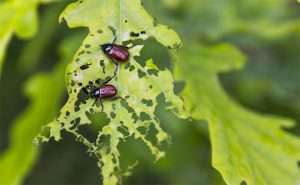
132 115
247 147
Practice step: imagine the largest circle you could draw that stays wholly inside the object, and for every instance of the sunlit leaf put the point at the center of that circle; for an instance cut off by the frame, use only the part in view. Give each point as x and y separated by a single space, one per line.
139 86
247 147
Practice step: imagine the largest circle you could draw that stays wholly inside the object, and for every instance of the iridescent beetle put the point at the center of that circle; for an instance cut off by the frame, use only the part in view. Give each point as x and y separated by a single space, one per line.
105 91
99 93
118 53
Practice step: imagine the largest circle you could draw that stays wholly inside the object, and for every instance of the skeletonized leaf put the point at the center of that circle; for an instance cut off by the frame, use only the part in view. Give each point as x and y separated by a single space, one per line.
138 86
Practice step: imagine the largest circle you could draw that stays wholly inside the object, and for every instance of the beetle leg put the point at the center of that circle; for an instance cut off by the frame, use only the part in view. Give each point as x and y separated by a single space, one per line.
115 38
117 67
118 97
101 104
95 102
114 33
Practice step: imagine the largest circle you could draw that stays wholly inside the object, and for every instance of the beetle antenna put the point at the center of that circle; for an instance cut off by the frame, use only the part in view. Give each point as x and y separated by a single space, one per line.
115 39
113 32
86 91
108 80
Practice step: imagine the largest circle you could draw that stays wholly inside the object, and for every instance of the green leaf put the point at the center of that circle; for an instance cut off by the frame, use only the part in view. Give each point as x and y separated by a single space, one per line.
35 49
132 115
247 146
214 19
19 17
45 91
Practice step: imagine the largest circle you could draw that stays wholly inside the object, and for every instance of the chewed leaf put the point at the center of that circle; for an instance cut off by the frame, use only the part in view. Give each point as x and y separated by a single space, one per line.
132 114
127 18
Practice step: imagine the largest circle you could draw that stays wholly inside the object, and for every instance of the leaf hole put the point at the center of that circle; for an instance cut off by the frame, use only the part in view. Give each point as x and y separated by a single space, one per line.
75 123
82 97
243 183
149 103
113 115
87 132
143 130
103 141
126 106
131 68
135 117
81 52
133 34
99 120
87 45
45 132
179 86
151 133
133 42
152 49
144 116
123 131
127 65
141 73
99 31
153 72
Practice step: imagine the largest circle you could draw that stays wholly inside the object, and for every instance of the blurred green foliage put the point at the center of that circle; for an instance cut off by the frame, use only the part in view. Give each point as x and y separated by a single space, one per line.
266 33
28 125
20 18
240 139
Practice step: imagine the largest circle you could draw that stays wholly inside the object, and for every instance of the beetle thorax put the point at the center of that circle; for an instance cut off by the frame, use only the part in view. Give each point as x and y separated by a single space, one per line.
108 49
96 93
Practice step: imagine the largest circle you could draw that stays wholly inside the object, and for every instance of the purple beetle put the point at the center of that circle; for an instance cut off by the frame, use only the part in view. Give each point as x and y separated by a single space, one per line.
106 91
116 52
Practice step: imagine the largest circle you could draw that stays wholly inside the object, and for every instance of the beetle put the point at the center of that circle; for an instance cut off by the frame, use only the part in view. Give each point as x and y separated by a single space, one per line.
105 91
118 53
